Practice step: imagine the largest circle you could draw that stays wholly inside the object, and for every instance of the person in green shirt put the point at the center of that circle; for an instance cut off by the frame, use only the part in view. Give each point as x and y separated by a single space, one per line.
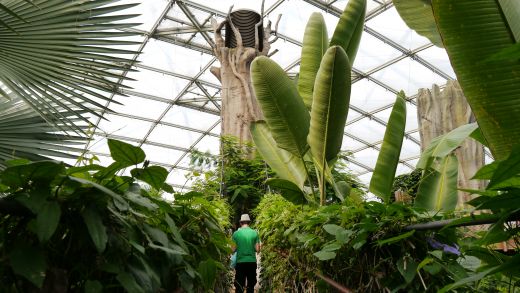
246 245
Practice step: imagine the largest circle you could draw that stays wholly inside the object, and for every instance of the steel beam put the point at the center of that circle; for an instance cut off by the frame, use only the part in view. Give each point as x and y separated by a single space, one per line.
195 26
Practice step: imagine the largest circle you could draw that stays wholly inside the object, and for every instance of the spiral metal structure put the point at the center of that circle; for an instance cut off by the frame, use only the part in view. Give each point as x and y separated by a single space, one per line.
246 22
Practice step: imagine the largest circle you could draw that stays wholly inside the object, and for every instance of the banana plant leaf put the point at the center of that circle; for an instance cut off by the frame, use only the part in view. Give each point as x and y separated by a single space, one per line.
330 106
509 53
443 145
506 169
341 188
283 108
418 15
511 10
61 55
288 190
286 165
25 134
329 112
473 31
347 33
438 188
384 172
315 43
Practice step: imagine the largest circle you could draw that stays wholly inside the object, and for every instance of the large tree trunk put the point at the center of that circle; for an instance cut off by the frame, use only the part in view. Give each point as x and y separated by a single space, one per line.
442 111
242 45
237 96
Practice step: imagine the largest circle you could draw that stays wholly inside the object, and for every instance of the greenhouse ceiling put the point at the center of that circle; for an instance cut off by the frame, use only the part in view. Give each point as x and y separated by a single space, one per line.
173 106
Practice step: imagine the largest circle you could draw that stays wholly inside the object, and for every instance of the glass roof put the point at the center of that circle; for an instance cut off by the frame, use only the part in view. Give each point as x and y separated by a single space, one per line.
173 105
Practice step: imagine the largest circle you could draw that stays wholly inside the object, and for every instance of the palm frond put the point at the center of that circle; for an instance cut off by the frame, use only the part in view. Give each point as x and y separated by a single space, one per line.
25 134
61 55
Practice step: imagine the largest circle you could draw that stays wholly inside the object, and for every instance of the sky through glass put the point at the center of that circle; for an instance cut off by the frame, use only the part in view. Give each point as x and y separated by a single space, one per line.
173 105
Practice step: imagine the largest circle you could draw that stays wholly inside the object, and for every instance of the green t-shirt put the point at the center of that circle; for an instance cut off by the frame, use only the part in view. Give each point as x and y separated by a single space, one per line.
246 239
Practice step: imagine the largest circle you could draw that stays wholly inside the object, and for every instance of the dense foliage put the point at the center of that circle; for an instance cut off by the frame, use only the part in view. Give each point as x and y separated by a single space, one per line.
87 229
367 247
240 176
360 246
408 183
237 175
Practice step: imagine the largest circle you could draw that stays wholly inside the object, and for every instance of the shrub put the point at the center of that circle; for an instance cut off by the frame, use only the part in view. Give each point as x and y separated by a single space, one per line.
362 246
87 229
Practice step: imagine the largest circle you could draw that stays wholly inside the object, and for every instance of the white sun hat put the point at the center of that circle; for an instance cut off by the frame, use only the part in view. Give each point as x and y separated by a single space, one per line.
245 218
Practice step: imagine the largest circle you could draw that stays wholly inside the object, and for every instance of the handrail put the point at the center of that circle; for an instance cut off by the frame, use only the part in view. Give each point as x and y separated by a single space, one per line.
442 223
333 283
327 279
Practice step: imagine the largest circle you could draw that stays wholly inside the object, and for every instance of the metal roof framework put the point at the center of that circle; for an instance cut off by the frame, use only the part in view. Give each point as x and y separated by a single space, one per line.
173 106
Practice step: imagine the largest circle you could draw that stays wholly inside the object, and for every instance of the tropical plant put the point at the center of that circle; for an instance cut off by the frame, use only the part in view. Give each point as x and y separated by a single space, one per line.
60 56
25 134
361 246
480 39
86 229
60 59
234 175
388 158
408 183
291 135
305 122
499 205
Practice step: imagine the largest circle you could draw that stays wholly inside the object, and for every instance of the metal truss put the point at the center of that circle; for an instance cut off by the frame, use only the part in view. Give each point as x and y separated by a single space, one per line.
192 26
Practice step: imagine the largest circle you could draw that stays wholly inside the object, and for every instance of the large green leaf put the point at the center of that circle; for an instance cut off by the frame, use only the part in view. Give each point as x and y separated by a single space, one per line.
128 282
487 171
325 255
506 169
384 172
176 232
472 31
510 265
315 43
283 108
288 190
61 55
504 201
350 27
38 172
511 11
97 186
141 201
443 145
154 175
125 153
330 106
96 229
208 272
47 220
286 165
418 15
408 268
438 190
510 53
